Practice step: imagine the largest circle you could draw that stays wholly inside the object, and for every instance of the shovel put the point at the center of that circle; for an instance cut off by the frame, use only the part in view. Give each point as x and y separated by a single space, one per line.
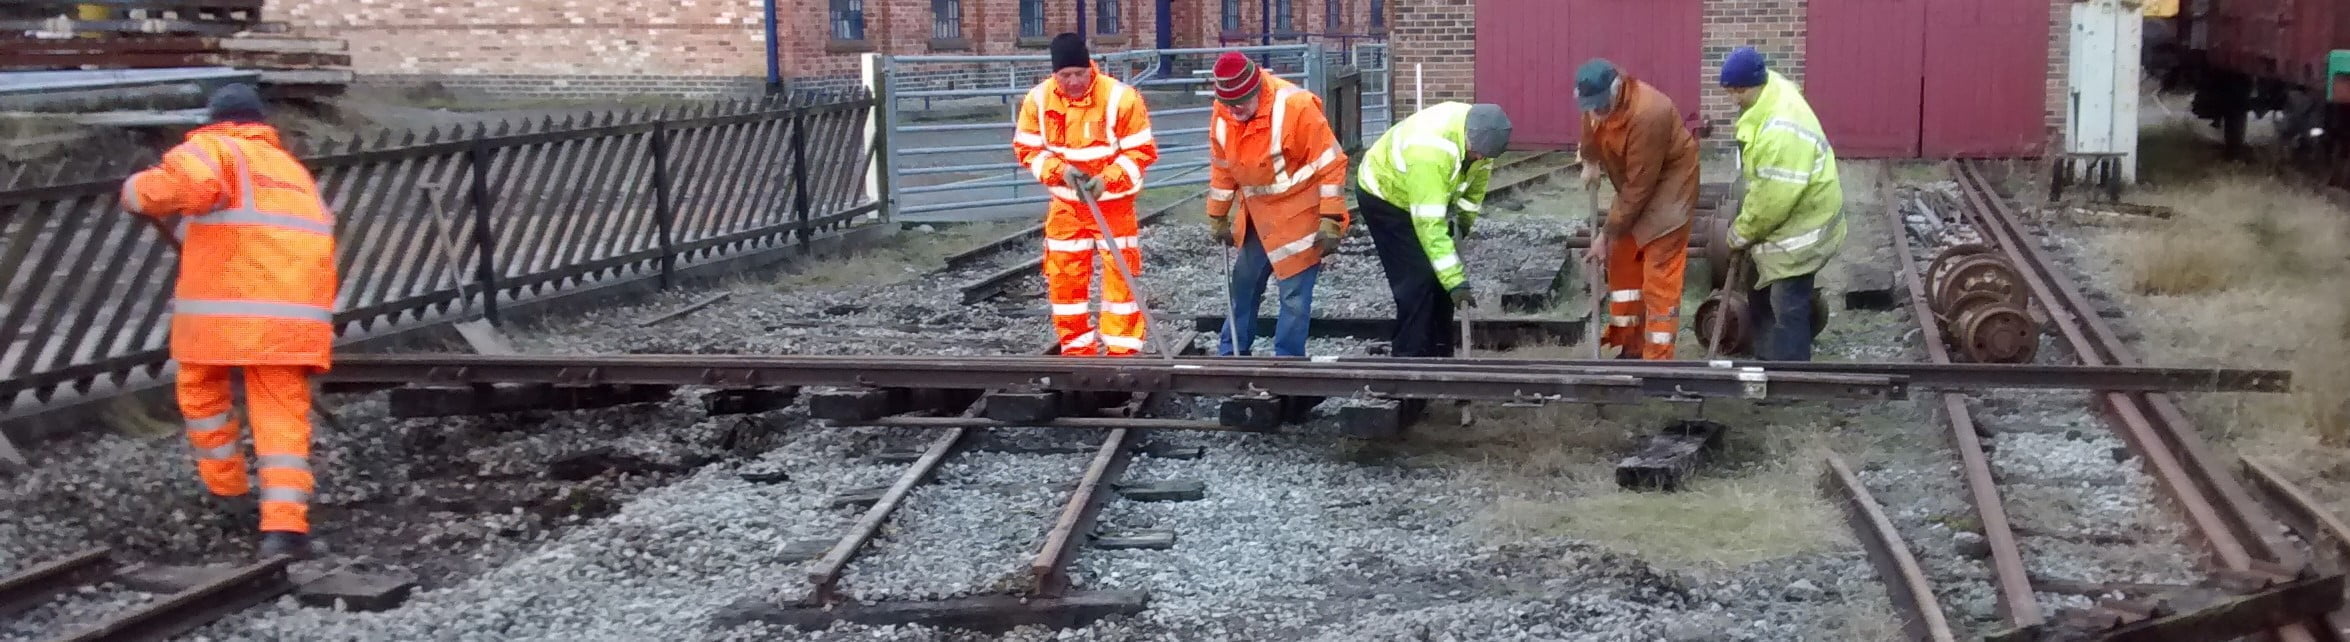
1597 276
478 333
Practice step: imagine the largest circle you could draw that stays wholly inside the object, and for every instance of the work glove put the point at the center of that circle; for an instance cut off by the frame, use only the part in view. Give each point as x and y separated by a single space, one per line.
1457 223
1220 229
1463 298
1077 179
1327 238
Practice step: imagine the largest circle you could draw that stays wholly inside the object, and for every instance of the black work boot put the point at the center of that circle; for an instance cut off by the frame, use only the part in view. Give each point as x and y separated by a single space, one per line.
240 511
275 543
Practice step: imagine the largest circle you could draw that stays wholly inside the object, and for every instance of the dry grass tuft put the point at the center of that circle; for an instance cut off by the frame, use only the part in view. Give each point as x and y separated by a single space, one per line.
1858 619
2249 273
1760 502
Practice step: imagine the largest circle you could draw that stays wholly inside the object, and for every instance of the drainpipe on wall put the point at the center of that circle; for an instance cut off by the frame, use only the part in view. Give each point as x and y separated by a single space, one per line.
1265 20
774 57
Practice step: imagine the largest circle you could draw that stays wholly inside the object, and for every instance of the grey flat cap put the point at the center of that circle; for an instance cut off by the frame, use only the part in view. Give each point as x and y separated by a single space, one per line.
1488 130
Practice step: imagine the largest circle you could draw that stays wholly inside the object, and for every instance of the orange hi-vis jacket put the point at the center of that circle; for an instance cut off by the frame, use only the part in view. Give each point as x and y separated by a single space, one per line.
1286 168
257 265
1105 133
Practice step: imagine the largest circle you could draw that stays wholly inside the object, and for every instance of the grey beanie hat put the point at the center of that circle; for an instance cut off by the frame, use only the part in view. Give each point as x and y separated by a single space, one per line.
236 102
1488 130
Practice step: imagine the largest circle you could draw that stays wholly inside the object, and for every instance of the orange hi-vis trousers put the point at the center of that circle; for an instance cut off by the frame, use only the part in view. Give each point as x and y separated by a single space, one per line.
277 400
1644 293
1071 241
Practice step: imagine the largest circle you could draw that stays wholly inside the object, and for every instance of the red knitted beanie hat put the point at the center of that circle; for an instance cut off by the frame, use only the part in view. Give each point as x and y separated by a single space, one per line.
1235 78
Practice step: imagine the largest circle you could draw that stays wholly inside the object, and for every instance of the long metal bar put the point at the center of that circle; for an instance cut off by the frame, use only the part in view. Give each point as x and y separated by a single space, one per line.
33 586
1076 423
1905 580
2015 600
1959 376
187 610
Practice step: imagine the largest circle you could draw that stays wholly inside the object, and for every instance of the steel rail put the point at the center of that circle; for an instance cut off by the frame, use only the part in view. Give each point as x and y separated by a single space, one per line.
1960 376
195 607
2233 528
2016 601
1186 376
33 586
2229 536
2309 519
1905 580
1074 423
1049 569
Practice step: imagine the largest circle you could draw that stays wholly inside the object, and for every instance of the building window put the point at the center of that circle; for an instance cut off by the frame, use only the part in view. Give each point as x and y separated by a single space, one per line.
848 19
1333 16
946 19
1231 16
1282 17
1105 17
1378 14
1032 18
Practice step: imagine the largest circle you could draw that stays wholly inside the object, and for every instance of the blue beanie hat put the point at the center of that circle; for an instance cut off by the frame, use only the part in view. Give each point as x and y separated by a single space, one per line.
1745 68
1595 84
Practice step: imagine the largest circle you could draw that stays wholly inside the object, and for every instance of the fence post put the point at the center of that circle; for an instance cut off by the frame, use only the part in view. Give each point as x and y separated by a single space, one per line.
663 214
799 172
880 178
485 267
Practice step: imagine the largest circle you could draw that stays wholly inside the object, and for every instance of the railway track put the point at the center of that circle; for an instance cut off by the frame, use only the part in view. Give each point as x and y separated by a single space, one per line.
2267 585
218 595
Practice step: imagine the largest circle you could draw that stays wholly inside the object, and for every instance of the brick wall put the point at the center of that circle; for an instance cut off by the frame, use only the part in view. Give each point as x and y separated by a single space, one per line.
1774 27
647 45
1440 36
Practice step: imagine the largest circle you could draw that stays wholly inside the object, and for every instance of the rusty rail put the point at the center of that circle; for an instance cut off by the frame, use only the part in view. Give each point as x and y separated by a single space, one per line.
2236 531
1050 568
2012 585
33 586
200 605
1905 581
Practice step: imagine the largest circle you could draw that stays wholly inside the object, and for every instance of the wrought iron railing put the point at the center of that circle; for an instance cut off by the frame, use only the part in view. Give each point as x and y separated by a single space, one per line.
536 208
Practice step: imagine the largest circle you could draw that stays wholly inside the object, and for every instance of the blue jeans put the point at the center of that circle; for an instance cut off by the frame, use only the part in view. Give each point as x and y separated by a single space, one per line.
1782 319
1248 284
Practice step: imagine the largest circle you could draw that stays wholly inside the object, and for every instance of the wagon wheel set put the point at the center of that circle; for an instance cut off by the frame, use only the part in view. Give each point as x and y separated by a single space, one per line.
1983 305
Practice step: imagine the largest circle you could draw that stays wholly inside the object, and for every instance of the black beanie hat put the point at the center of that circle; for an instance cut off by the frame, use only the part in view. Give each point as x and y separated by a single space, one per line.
1069 51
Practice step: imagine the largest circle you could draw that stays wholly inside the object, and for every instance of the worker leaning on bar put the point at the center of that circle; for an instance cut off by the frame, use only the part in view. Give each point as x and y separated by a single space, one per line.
1791 219
1633 136
1271 150
256 293
1082 131
1423 184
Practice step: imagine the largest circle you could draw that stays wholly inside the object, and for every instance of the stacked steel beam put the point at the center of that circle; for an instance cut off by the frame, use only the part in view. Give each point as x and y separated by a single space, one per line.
45 35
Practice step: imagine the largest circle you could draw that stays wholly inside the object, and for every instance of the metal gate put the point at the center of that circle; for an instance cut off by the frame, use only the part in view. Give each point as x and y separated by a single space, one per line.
1865 74
1987 68
945 122
1527 52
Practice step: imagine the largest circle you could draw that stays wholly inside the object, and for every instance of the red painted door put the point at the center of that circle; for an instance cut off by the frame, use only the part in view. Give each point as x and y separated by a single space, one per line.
1987 77
1865 74
1528 50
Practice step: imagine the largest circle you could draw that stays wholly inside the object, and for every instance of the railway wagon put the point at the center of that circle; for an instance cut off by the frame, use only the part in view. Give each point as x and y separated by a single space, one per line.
2249 57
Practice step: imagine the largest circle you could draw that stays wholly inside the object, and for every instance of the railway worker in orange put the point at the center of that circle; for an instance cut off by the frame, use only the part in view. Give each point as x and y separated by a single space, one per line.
1083 133
256 292
1271 149
1633 136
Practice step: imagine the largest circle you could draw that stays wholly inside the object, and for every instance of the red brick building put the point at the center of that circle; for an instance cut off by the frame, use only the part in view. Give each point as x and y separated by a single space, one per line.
612 46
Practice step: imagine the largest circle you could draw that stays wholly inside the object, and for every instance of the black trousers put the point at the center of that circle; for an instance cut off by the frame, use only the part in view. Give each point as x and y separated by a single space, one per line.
1423 309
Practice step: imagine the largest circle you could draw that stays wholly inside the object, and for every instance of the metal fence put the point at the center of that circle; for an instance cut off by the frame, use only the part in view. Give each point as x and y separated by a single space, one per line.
536 209
947 120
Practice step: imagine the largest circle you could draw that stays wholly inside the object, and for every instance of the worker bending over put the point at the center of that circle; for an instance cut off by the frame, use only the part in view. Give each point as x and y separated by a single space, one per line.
1271 148
1086 135
256 291
1791 220
1634 137
1422 185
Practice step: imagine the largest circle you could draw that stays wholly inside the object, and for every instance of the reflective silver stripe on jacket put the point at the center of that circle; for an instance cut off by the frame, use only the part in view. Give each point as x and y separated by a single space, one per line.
267 309
247 212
